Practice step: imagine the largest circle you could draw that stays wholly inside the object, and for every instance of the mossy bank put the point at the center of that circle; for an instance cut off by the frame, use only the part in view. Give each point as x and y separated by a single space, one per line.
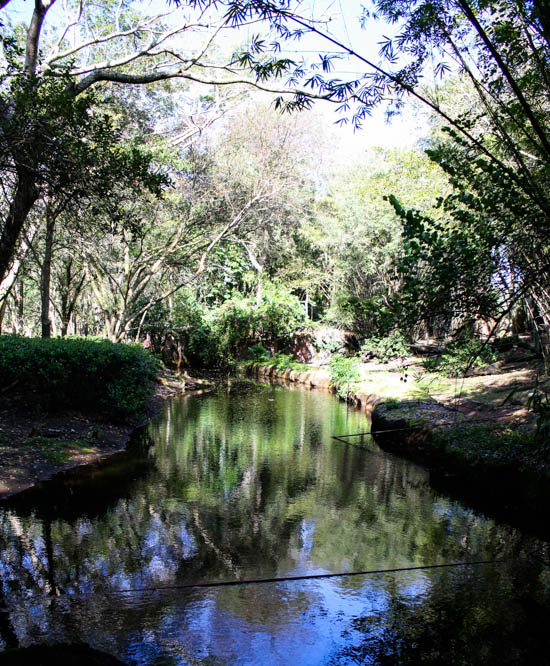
492 460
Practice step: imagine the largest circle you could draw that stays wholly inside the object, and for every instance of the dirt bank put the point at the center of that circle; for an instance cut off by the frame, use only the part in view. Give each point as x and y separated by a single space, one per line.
35 445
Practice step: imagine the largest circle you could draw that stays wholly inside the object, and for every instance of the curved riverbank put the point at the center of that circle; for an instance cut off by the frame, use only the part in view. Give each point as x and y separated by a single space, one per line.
486 455
318 378
493 462
35 446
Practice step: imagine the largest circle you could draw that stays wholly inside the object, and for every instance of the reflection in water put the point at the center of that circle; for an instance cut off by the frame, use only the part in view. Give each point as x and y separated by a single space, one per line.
246 484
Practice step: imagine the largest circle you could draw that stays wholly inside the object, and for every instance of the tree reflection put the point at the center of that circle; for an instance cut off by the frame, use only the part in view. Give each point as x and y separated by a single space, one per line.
238 486
490 615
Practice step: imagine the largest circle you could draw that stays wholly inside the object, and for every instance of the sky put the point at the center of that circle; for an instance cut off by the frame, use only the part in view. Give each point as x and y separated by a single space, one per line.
339 19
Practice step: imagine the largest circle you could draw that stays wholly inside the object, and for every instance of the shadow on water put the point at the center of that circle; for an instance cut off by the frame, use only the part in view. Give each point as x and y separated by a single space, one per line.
248 483
88 490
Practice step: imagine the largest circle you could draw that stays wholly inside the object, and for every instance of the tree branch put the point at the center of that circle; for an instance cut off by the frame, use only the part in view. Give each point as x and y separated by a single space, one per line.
507 75
33 35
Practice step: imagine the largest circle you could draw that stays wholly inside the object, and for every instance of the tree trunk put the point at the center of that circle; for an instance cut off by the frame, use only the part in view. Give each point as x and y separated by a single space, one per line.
3 306
68 294
19 318
9 280
26 195
259 289
45 276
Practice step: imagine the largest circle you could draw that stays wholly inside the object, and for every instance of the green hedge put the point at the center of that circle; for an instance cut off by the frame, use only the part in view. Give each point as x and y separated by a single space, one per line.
78 373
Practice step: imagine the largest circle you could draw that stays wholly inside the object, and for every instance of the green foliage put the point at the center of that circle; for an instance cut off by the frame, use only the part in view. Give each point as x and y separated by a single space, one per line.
78 373
539 403
431 363
227 274
241 322
359 234
237 328
280 315
282 362
258 354
279 362
75 149
482 445
434 254
461 355
191 324
387 348
344 375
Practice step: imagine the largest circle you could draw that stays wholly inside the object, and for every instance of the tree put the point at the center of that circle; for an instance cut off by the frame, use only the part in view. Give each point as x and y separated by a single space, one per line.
262 157
489 253
498 153
357 235
43 81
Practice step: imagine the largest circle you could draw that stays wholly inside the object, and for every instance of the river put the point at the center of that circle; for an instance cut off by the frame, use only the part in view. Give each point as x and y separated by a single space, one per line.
214 537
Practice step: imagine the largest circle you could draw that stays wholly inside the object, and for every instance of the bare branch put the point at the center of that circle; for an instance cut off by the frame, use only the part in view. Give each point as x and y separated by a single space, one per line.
152 77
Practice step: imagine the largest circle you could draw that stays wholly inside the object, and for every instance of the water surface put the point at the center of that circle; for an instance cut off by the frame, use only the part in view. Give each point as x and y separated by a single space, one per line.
244 484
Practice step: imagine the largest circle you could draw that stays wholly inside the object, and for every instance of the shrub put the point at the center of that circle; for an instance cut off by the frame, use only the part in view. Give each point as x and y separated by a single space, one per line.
461 355
387 348
282 362
222 335
344 375
240 323
258 354
539 403
79 373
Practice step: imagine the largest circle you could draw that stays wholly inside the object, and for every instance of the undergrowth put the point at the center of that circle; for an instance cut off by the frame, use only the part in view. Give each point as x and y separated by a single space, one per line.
491 444
460 356
344 375
78 373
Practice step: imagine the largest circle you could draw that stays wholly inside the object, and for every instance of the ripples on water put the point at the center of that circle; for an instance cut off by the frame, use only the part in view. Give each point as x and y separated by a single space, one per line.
248 483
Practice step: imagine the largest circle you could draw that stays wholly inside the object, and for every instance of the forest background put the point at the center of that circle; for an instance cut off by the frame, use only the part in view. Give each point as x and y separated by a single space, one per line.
153 185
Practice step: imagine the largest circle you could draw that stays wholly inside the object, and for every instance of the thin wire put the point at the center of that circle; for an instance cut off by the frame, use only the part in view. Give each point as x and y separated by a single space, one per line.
355 434
287 579
415 427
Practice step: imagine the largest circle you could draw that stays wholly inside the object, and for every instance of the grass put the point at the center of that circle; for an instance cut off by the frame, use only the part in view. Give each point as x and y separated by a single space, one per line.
58 452
420 385
511 389
490 444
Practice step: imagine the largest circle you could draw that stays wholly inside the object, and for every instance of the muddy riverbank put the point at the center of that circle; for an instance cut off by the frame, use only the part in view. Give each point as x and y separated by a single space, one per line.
36 445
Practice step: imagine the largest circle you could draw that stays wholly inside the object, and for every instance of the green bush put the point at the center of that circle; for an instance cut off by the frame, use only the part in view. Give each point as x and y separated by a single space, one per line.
461 355
258 354
223 335
240 323
282 362
78 373
344 375
539 403
385 349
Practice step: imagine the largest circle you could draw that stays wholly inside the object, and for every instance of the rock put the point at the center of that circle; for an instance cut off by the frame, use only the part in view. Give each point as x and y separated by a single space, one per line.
54 433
